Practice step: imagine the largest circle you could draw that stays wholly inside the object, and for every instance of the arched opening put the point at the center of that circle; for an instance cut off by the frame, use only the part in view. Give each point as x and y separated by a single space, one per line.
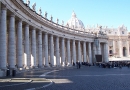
124 51
110 53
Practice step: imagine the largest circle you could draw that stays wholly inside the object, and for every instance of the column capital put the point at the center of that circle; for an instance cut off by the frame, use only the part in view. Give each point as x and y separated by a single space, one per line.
51 35
57 36
39 32
20 20
4 7
45 33
68 39
27 25
106 42
33 28
12 15
62 38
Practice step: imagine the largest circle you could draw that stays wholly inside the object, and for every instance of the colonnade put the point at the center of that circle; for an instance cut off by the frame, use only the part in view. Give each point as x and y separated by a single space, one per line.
24 46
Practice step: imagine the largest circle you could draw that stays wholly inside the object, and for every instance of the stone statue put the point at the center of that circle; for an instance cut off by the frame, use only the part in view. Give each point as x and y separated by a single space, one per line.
57 20
40 11
96 32
51 18
73 26
33 7
97 25
67 25
62 23
28 2
45 15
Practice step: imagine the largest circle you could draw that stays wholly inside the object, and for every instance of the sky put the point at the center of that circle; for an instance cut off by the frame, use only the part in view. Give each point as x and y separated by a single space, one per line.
111 13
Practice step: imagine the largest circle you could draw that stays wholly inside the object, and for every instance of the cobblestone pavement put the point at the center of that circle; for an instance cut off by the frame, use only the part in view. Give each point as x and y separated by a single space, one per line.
85 78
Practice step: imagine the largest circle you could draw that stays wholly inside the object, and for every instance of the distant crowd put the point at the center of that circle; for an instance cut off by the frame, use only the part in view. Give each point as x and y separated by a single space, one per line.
110 64
114 64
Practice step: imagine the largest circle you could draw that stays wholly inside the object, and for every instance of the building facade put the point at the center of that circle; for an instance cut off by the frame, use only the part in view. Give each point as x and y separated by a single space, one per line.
118 40
28 39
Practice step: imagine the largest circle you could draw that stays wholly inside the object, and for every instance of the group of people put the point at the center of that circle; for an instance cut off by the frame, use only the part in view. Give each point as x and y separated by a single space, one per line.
114 64
110 64
78 65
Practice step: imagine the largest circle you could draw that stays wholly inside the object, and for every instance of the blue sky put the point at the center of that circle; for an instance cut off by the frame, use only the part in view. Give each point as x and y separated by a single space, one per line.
90 12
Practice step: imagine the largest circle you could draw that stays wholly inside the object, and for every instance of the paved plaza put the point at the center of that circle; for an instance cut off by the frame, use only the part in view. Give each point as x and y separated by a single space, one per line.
69 78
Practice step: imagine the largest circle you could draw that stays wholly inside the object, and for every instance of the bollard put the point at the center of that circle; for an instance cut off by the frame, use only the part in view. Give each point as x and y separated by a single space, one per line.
13 73
8 72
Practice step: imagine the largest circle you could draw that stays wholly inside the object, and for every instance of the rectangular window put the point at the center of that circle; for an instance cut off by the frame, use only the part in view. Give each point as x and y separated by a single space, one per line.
122 32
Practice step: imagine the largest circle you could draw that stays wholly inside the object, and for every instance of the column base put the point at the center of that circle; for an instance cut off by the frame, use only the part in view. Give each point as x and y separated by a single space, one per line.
53 66
46 66
40 67
58 65
2 73
69 65
27 67
63 65
20 68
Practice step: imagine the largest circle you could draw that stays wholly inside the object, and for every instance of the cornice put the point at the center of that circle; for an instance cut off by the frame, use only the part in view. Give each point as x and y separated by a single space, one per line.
45 23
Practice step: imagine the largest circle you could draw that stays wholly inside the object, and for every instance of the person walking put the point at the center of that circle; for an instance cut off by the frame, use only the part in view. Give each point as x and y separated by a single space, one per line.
79 65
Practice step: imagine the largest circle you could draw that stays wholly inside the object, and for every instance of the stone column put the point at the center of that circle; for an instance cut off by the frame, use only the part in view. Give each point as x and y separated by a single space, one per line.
33 57
84 52
19 45
63 52
11 43
114 47
120 48
3 38
74 52
89 53
99 48
26 47
106 52
46 49
40 48
52 50
68 52
43 50
79 52
127 48
57 52
81 48
94 53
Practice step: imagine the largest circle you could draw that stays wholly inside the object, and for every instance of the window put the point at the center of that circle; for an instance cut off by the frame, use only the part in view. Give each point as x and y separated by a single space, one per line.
122 32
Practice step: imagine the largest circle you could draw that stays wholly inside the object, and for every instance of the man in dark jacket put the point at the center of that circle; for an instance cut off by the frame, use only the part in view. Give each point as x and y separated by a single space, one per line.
79 65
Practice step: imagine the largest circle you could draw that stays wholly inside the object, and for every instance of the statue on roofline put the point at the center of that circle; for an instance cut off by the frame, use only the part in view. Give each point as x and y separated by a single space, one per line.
45 15
51 18
62 22
40 11
57 20
28 2
34 7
